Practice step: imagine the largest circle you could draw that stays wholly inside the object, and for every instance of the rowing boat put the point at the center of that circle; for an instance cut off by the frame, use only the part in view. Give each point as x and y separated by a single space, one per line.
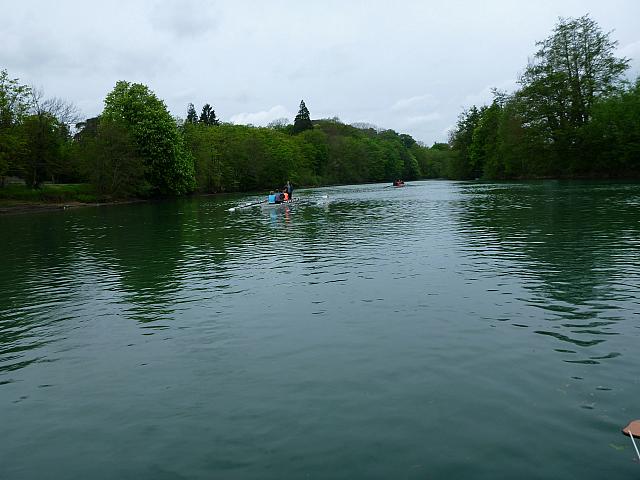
279 204
273 205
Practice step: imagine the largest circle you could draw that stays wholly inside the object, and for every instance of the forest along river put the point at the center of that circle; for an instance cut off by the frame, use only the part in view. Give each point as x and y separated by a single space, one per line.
440 330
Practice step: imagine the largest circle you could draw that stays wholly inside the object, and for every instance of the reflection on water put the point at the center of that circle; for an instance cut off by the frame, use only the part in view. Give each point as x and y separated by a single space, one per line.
340 336
574 247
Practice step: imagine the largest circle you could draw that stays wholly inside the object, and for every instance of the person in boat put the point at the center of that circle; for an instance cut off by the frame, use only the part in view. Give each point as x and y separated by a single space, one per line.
289 188
276 197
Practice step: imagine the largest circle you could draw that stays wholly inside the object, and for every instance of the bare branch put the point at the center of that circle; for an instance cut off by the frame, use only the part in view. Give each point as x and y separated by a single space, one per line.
62 110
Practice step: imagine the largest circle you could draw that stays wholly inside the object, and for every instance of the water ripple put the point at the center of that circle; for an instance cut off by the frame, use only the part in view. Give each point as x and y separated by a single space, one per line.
359 308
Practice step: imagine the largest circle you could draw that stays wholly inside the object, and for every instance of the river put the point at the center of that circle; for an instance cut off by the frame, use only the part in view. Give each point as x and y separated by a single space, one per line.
440 330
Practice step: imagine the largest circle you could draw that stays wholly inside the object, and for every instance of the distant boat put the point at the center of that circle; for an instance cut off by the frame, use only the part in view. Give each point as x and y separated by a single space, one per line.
398 183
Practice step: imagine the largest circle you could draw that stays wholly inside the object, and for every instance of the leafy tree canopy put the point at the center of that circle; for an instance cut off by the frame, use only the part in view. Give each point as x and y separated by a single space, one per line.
574 66
15 102
154 134
15 99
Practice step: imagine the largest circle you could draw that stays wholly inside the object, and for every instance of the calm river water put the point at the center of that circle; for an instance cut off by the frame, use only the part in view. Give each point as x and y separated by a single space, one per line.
441 330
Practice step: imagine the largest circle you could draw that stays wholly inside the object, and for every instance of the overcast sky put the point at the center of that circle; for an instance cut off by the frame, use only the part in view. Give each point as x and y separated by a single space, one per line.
407 65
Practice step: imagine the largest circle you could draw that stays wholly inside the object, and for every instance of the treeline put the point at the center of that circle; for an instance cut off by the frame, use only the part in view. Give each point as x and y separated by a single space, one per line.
238 157
573 116
135 148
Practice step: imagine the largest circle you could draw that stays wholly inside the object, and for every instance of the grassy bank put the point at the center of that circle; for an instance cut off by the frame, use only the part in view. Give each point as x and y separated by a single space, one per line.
48 193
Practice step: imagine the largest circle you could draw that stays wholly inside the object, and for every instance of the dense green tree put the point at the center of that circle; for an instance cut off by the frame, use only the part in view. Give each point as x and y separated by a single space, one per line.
411 168
169 167
302 121
407 140
519 153
46 136
42 155
15 101
208 116
483 151
461 140
573 67
192 116
112 163
434 162
393 161
87 129
612 138
203 143
315 146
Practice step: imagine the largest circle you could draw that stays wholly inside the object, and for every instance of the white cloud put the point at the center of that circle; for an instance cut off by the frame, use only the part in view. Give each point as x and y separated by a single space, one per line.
413 103
631 50
261 118
429 117
187 18
485 96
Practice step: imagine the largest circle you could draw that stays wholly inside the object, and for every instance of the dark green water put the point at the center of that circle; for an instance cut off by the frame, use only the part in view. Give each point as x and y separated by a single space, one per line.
442 330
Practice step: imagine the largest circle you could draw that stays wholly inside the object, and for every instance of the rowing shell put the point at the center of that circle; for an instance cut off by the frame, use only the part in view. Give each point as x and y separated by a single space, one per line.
281 204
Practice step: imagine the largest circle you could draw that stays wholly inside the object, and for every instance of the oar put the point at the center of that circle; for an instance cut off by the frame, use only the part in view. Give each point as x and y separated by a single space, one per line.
233 209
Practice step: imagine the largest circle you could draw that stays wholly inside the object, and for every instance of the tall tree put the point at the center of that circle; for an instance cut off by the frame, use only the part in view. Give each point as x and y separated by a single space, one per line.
45 133
192 116
208 116
573 68
154 134
483 156
42 153
15 101
302 121
111 161
461 139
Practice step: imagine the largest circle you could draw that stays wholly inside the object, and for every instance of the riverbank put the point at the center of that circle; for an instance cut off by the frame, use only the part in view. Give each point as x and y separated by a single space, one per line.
10 207
17 199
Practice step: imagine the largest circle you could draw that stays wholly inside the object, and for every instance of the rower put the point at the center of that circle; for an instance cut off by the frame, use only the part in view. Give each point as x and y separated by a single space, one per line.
633 430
